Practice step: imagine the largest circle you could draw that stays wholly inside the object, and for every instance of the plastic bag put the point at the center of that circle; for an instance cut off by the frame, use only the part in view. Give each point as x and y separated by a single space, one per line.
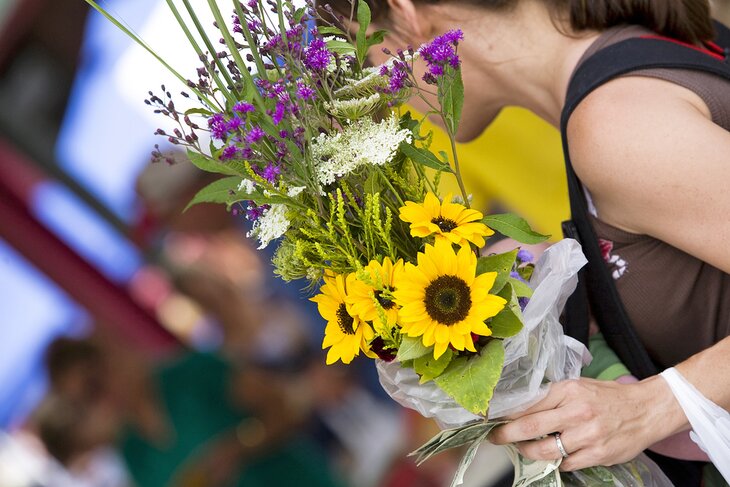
710 423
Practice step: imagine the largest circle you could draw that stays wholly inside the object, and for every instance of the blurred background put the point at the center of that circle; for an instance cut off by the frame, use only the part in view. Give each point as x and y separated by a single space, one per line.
144 346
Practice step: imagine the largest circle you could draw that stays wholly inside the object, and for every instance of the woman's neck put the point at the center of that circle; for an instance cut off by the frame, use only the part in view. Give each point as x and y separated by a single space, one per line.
523 57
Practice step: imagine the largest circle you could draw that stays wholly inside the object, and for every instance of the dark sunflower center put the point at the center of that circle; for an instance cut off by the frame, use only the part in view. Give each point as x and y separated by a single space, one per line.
448 299
445 224
384 301
345 320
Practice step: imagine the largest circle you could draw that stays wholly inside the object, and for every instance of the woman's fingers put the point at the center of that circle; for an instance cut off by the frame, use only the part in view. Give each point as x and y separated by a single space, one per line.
530 427
544 449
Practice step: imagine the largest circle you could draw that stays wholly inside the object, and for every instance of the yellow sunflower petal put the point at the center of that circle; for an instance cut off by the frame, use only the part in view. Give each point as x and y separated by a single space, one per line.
413 212
467 215
439 349
458 340
442 333
432 205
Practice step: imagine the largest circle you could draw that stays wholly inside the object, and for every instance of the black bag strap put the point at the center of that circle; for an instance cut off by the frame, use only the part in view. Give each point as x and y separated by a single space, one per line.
596 286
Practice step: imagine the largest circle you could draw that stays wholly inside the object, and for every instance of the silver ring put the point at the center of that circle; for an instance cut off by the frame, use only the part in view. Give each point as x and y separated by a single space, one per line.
561 448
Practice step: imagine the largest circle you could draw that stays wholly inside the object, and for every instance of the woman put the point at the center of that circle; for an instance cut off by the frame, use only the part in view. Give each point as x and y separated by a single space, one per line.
653 157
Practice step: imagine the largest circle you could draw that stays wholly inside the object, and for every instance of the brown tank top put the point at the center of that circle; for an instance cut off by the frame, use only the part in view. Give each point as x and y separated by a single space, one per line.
678 304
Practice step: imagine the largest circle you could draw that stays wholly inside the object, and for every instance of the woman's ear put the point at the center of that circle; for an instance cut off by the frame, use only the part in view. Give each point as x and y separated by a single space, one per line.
407 22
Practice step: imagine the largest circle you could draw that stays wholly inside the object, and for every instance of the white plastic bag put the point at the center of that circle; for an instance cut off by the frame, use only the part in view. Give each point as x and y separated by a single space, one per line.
710 423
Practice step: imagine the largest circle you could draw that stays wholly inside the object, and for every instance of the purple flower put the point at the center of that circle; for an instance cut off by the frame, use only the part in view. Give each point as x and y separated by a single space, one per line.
243 107
229 152
234 124
316 56
304 91
247 153
439 53
218 127
255 135
271 172
279 113
254 212
398 77
525 256
253 25
283 134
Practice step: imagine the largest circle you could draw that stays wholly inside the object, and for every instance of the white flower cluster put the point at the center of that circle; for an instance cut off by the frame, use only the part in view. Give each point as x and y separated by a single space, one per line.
272 225
360 143
354 108
247 186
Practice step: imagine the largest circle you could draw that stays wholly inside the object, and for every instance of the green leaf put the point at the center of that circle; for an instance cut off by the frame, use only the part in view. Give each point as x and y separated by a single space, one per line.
298 14
506 324
522 290
499 263
377 37
198 111
372 185
363 19
220 191
424 157
340 47
513 226
208 164
328 30
471 380
429 368
408 122
412 348
452 100
526 271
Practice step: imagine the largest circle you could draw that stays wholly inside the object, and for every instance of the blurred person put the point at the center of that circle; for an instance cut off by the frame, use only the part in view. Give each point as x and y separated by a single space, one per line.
64 443
237 417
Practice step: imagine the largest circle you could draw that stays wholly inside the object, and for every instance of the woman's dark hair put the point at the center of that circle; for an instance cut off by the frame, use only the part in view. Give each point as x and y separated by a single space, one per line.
684 20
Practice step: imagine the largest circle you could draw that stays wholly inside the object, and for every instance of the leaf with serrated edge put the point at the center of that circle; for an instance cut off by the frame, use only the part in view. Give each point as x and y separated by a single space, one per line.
514 227
412 348
470 381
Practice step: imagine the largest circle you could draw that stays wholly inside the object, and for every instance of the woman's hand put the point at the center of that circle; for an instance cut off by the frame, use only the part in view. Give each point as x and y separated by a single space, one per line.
600 422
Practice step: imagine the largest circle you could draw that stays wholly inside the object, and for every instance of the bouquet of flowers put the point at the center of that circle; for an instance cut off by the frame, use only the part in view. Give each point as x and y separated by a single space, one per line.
318 153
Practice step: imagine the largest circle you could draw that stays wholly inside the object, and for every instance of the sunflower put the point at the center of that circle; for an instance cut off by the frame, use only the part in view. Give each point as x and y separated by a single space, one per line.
345 335
450 222
371 298
443 301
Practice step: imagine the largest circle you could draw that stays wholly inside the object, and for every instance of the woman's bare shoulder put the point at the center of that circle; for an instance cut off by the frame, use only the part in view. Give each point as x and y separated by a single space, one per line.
652 159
